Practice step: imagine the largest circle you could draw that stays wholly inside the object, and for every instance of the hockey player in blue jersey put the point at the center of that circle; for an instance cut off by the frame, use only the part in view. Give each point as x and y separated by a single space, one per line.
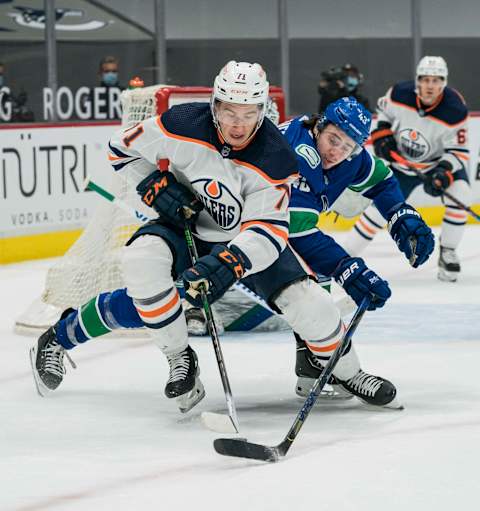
230 170
332 158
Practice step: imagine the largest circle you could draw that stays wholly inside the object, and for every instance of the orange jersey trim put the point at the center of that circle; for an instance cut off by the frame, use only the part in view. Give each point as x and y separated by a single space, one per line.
269 227
181 137
433 118
462 156
111 157
380 134
263 174
212 147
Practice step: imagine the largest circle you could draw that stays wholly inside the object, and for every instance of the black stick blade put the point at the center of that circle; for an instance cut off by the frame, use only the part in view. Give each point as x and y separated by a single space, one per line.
240 448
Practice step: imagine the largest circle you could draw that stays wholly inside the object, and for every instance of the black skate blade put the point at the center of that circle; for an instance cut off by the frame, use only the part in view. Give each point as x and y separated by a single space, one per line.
42 390
241 448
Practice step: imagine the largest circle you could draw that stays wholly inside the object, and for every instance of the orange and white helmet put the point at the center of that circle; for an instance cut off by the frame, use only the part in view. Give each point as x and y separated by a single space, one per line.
241 83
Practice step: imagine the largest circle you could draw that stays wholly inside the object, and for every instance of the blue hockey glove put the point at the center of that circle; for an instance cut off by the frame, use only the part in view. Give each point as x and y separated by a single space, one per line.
411 234
359 281
216 271
174 202
438 179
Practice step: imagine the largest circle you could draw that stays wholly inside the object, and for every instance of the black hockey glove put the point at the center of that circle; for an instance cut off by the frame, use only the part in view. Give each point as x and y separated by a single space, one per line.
359 281
411 234
384 141
216 271
173 201
438 179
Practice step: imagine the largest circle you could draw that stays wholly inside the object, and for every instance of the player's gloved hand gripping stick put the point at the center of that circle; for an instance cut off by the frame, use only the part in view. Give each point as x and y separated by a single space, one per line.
215 421
241 448
416 167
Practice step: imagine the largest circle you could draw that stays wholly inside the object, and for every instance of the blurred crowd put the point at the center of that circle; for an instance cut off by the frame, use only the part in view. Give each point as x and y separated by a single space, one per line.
338 82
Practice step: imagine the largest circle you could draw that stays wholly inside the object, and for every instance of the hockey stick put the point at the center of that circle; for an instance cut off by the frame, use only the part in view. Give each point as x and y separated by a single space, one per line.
344 304
91 185
216 421
416 167
241 448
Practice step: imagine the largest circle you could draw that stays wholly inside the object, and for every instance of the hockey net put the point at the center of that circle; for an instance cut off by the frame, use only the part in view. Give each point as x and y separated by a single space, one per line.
92 264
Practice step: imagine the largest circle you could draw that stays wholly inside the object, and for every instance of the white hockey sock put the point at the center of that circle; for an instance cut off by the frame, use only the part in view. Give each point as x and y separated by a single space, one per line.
455 218
364 231
147 269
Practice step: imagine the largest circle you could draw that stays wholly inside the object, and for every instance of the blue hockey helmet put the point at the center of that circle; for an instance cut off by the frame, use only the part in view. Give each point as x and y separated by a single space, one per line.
351 117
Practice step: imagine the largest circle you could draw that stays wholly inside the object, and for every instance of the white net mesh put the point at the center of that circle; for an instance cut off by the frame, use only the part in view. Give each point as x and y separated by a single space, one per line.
92 265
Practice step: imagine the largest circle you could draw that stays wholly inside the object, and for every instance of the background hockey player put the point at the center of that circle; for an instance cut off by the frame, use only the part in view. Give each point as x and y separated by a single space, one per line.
230 174
332 158
426 123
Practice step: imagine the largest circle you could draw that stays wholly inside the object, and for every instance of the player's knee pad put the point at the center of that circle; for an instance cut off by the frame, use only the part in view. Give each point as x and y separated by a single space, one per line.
309 310
147 266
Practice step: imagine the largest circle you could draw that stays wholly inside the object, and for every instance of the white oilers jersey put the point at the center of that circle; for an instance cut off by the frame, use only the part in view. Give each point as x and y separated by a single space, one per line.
245 192
426 135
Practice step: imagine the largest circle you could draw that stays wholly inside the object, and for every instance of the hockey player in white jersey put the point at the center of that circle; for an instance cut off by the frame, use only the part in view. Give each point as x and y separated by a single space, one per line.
425 123
230 173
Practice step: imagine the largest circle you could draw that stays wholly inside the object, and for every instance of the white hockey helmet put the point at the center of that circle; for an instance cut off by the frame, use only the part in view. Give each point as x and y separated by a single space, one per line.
241 83
432 66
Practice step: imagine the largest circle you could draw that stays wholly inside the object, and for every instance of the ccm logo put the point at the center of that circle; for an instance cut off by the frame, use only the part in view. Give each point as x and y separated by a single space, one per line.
346 274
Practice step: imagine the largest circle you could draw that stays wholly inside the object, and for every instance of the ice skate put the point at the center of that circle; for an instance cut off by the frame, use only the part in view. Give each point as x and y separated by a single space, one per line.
448 265
372 390
183 382
308 368
196 322
46 358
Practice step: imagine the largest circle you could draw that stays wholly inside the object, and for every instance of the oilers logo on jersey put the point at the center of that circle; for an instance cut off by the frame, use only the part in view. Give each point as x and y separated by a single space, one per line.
413 144
219 201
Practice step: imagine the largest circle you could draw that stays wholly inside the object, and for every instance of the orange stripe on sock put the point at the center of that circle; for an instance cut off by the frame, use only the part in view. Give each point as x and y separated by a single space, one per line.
455 215
365 226
161 310
318 349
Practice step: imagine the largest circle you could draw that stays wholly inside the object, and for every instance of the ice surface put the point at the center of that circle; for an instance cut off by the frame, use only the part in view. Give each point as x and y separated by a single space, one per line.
109 440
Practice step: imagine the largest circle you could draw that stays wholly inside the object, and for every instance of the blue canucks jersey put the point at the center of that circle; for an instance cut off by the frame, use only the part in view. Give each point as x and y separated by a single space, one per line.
317 189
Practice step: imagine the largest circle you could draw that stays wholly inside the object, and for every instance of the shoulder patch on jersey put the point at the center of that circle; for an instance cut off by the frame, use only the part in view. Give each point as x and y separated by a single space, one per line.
309 154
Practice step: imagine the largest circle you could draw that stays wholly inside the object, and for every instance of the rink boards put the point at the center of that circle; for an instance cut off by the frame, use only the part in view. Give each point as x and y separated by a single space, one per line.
44 207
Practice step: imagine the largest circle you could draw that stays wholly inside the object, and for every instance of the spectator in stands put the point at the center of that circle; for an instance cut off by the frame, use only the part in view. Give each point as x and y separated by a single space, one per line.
104 101
337 82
